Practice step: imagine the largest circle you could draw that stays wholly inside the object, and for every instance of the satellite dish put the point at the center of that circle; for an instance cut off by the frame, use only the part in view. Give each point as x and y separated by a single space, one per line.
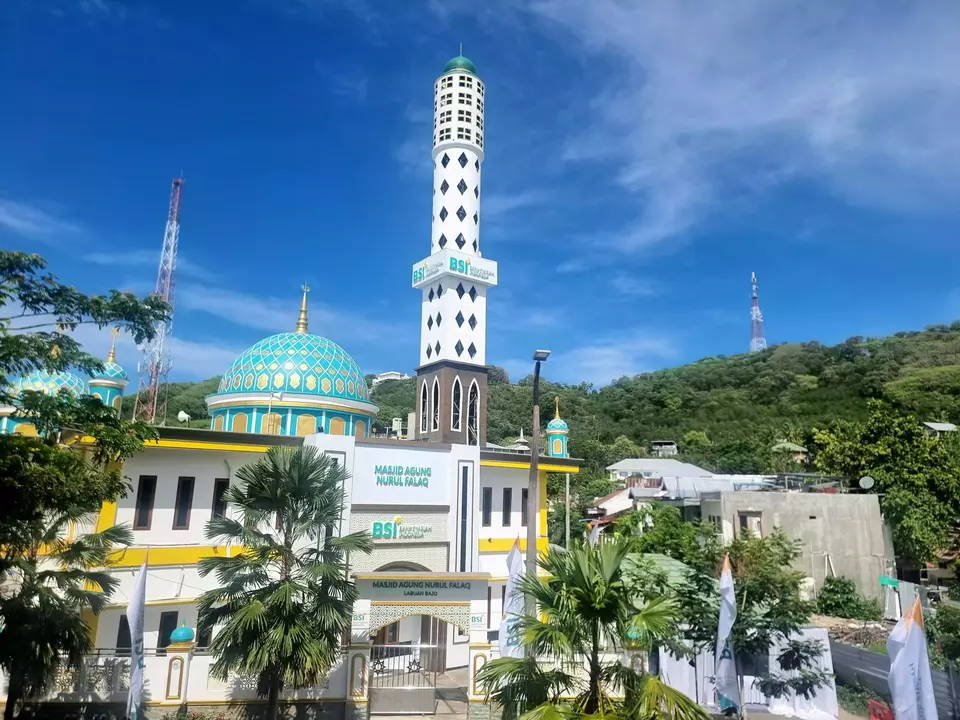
866 482
183 417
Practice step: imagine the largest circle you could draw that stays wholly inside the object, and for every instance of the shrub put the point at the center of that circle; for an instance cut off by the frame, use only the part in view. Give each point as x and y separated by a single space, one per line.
839 598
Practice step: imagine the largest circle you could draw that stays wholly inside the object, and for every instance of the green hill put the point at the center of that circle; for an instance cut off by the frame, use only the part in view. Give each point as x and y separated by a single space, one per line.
724 411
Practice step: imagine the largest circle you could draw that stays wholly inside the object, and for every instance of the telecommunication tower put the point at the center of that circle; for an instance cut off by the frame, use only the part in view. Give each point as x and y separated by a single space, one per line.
151 404
758 340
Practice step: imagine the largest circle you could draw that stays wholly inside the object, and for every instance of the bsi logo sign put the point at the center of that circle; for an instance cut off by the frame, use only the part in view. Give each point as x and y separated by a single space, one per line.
396 530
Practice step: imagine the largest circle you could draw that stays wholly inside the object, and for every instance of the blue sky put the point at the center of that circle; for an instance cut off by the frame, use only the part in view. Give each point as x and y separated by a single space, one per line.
642 159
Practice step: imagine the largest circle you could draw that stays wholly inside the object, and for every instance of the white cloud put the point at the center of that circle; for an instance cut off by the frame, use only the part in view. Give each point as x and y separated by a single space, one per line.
347 84
714 102
148 258
275 315
635 286
600 362
496 206
31 221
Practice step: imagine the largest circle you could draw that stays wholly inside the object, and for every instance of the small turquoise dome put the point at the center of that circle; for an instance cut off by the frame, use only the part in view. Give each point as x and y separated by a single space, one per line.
182 634
460 63
296 362
111 371
51 383
557 424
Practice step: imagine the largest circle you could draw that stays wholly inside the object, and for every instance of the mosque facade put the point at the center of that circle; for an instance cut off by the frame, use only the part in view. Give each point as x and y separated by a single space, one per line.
443 507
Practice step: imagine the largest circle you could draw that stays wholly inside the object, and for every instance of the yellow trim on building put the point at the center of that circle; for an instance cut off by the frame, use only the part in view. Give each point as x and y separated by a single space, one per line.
544 467
107 517
184 555
93 623
543 504
207 445
503 545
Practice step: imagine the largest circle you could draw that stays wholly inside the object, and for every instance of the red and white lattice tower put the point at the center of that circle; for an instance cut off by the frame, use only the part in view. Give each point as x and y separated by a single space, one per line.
758 340
151 403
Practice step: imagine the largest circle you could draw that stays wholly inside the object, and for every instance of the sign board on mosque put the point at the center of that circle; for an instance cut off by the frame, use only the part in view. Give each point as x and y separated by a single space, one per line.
426 587
391 475
454 265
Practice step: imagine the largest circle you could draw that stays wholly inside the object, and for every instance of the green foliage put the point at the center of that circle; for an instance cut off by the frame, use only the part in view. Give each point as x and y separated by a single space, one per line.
285 602
917 475
839 598
586 610
49 582
854 699
658 528
585 488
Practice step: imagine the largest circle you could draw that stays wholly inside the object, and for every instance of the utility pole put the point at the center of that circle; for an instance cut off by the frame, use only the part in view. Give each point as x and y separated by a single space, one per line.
533 485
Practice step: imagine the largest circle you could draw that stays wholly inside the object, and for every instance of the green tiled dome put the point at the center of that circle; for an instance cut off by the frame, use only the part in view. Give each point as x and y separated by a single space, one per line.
460 63
296 362
557 424
111 371
51 383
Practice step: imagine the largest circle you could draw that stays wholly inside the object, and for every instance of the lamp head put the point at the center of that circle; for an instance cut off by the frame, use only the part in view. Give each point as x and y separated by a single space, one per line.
541 355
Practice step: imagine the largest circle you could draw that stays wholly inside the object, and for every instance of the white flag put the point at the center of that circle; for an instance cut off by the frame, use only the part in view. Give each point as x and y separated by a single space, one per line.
911 686
135 621
512 606
725 671
595 533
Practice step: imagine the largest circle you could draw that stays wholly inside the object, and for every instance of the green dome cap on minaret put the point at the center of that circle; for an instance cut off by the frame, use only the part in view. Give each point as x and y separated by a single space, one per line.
460 63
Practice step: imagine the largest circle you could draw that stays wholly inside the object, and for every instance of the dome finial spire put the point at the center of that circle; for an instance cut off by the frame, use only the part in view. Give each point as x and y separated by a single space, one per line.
557 401
302 320
112 355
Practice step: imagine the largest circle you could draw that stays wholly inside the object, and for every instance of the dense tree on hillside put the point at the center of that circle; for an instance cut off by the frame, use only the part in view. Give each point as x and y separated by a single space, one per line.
917 475
743 404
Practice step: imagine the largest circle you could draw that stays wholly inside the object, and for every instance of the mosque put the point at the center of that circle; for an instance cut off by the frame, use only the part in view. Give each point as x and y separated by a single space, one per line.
443 507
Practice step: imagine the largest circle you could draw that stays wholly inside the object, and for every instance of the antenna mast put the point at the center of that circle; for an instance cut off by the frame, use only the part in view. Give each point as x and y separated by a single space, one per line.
151 404
758 340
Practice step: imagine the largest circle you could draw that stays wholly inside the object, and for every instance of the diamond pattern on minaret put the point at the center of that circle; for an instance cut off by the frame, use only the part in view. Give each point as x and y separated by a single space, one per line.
444 187
461 213
472 349
442 242
459 319
473 293
463 160
459 348
462 186
430 323
461 241
460 290
473 322
443 213
445 160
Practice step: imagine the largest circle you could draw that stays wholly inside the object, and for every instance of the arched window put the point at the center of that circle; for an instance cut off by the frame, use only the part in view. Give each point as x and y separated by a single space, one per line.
360 429
557 447
473 415
338 426
306 425
424 408
239 423
435 423
218 422
457 398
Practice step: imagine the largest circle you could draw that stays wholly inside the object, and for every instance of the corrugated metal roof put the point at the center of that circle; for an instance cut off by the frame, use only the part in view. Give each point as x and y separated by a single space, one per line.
941 426
663 467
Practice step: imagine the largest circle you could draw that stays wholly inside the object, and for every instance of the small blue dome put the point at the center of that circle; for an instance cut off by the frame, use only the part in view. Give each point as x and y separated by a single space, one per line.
460 63
182 634
557 424
50 383
111 371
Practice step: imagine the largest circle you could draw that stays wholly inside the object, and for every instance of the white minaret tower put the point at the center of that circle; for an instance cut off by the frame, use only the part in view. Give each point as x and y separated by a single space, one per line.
452 380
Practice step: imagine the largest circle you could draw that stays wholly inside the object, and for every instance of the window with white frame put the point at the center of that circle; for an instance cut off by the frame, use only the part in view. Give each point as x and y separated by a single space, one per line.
456 404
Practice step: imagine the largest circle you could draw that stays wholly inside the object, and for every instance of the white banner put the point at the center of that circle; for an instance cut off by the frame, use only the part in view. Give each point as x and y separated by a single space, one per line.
911 686
725 670
135 610
595 533
513 605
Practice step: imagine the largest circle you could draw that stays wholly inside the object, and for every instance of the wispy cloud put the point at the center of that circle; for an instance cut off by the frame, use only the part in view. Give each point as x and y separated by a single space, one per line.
148 258
31 221
497 206
865 103
351 85
273 314
413 153
635 286
603 361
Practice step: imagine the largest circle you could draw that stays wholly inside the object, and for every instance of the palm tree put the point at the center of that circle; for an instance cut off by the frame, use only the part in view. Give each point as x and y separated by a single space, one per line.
586 610
51 580
285 601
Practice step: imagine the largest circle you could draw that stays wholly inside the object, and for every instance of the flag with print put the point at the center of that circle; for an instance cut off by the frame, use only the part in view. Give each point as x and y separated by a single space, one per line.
595 533
135 610
911 685
512 605
725 670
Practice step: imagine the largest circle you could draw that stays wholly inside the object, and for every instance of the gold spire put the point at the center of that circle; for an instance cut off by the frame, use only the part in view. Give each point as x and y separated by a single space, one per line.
55 350
112 356
302 320
557 401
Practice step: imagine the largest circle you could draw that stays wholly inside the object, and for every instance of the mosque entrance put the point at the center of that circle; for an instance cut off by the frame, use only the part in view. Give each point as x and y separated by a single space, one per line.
408 661
418 639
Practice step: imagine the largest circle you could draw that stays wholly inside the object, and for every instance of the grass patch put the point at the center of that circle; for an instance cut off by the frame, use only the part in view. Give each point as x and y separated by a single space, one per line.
854 698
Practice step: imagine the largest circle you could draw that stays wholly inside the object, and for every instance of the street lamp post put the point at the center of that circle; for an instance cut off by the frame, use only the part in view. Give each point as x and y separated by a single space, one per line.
533 486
